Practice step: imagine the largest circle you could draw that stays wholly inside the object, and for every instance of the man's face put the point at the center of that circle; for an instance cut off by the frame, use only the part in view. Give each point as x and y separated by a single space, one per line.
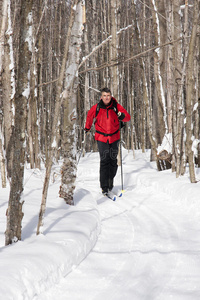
106 97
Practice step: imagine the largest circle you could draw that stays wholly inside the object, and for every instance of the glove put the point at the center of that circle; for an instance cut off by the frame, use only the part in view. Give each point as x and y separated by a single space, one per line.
86 130
121 116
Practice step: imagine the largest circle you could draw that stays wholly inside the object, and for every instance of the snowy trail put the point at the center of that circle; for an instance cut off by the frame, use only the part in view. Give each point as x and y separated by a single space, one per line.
142 251
144 246
125 249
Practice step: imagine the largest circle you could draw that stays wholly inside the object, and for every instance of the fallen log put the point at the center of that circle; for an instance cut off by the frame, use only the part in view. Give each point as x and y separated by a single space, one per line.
164 160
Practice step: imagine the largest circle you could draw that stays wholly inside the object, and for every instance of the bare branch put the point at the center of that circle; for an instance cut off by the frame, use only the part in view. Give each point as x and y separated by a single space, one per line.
133 57
100 45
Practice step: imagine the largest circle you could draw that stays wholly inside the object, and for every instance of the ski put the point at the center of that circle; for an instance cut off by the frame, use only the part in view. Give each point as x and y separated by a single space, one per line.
121 193
110 196
113 196
118 194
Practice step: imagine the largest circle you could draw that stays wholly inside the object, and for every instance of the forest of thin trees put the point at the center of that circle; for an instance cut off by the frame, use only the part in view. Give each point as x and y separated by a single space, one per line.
56 55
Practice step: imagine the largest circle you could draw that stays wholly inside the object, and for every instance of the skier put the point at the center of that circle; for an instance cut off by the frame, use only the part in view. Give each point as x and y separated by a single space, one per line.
107 114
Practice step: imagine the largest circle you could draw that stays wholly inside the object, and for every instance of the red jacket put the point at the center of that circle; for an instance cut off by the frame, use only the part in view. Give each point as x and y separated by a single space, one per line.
106 123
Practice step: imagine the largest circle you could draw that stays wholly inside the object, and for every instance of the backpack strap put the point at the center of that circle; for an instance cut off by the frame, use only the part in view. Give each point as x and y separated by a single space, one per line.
97 109
107 134
114 107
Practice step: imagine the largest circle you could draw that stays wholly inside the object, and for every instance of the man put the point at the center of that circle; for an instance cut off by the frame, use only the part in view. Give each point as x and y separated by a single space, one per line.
107 114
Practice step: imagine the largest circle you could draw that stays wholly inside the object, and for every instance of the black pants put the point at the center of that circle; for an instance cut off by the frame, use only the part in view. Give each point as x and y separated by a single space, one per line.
108 163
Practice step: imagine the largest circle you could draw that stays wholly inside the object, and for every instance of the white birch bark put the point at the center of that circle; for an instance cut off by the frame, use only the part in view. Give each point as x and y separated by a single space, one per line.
2 30
2 39
69 95
8 88
2 163
56 117
30 103
32 112
162 116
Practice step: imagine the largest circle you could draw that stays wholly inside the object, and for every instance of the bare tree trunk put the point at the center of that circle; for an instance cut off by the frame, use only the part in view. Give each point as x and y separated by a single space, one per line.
161 109
14 211
69 95
3 30
2 38
8 88
176 77
56 116
113 49
179 79
196 83
172 66
41 121
87 94
152 139
190 93
32 113
3 165
132 124
143 112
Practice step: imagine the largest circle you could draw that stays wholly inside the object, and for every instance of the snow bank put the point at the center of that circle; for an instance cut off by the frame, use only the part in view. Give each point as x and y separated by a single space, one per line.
35 264
180 189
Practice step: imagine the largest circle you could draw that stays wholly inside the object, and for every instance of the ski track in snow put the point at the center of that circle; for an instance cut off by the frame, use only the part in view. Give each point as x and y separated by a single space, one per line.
142 251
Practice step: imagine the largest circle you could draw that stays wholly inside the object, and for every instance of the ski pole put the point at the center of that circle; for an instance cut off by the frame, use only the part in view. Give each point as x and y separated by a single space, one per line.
80 154
121 157
83 146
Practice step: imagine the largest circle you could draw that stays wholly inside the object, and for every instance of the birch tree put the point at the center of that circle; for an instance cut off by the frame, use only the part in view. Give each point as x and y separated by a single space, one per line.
190 92
34 99
2 38
69 96
114 47
14 211
3 29
161 106
56 116
153 140
2 161
8 86
179 80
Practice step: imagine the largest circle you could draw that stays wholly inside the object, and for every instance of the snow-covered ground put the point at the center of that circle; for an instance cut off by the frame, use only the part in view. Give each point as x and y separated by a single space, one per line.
145 245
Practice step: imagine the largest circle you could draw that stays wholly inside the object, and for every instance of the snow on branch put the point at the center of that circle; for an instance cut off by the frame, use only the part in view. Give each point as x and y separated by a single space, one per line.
100 45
